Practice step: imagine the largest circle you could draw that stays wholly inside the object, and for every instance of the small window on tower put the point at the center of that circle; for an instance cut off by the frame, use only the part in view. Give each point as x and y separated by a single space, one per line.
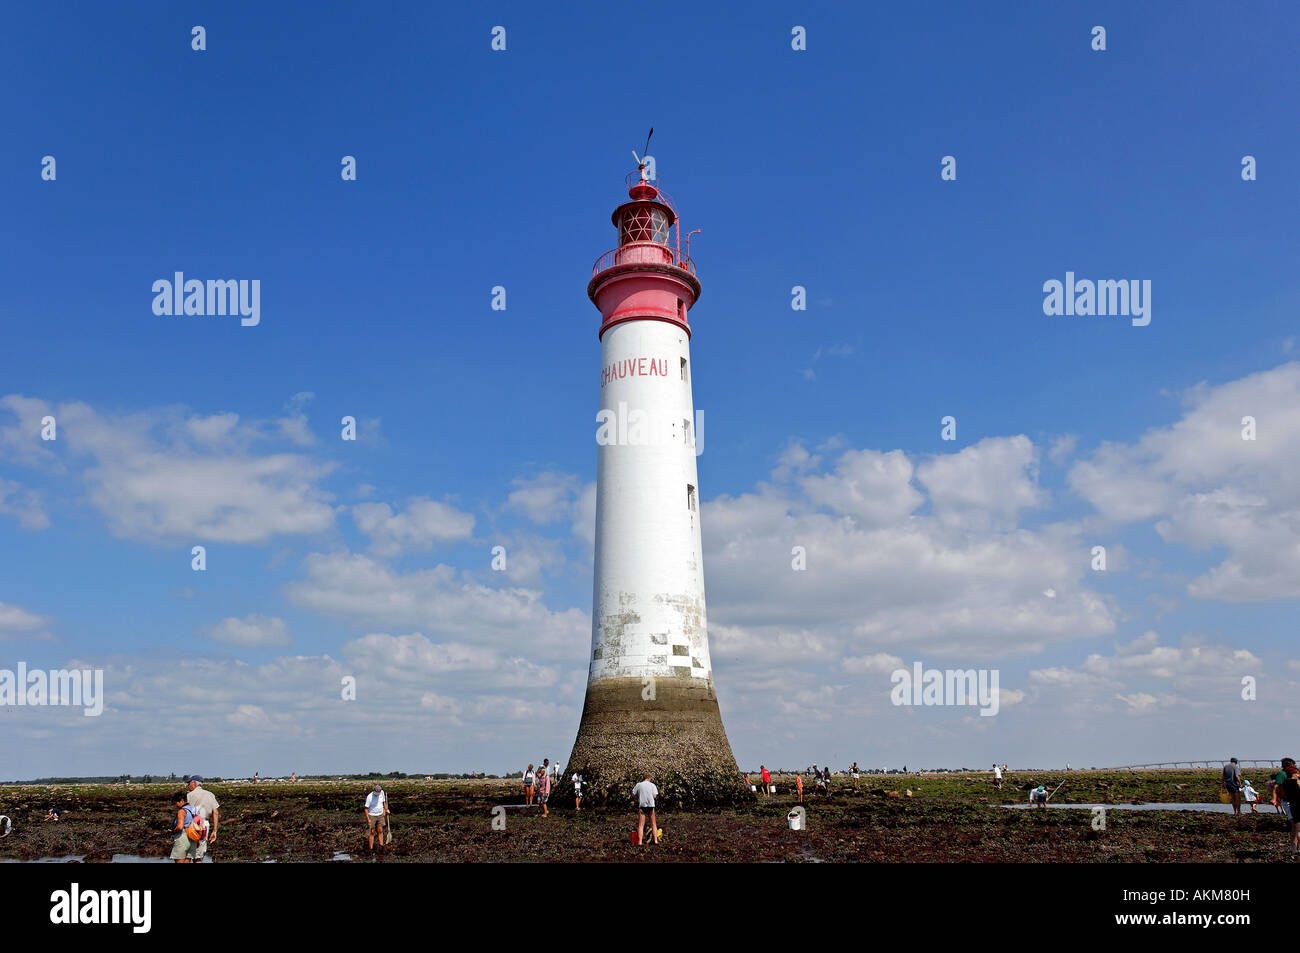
683 368
681 310
690 497
686 430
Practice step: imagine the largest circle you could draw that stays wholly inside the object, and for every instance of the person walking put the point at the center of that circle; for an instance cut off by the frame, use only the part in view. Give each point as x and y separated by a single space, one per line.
767 780
184 844
206 803
1291 791
577 791
997 778
798 788
645 793
1232 784
376 816
1284 805
1250 795
544 790
530 782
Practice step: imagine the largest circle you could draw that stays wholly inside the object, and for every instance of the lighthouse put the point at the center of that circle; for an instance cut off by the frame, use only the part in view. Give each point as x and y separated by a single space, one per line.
650 704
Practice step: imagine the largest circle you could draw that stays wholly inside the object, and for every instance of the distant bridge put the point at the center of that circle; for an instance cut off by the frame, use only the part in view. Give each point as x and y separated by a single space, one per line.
1244 762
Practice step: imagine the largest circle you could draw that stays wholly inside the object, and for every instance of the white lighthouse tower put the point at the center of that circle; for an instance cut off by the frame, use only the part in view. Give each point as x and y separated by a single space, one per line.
650 703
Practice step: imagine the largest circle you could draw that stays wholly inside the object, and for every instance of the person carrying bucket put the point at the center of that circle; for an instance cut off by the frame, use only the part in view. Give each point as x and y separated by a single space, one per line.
1232 784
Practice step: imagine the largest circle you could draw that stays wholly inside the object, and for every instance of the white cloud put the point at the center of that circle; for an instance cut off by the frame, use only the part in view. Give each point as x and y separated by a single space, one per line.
988 482
873 487
440 601
1207 488
172 476
250 632
880 577
18 623
544 498
23 505
552 497
424 523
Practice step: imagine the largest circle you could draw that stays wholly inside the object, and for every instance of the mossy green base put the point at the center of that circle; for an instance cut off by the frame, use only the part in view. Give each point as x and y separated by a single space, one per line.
673 731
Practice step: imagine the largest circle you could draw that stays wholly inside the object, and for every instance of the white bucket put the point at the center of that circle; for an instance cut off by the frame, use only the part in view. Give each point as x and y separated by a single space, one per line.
771 789
796 820
754 788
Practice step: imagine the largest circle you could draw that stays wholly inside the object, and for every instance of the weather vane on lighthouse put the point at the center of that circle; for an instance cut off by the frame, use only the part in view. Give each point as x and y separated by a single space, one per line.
650 705
645 154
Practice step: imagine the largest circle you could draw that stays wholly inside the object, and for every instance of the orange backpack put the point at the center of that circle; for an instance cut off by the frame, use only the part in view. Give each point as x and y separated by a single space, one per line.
196 828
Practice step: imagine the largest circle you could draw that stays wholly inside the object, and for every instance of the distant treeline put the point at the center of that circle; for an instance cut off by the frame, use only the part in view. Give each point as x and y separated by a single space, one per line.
159 778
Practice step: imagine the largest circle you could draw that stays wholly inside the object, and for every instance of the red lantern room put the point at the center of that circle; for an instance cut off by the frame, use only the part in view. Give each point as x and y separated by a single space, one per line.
646 277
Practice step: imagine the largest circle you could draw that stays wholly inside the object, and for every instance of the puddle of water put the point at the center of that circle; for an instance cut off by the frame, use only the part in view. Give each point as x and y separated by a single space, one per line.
45 860
1154 806
341 855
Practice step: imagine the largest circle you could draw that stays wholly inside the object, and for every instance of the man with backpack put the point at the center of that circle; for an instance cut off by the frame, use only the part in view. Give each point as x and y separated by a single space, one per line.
190 829
206 803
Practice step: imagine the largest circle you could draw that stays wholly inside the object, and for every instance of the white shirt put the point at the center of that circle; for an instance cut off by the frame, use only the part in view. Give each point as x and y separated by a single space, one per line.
203 801
997 772
645 792
375 803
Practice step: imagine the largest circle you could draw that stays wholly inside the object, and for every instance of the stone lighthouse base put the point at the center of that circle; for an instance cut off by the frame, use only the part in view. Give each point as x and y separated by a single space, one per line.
671 727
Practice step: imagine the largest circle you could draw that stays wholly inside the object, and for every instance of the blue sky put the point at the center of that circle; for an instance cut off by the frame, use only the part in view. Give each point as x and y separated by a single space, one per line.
477 168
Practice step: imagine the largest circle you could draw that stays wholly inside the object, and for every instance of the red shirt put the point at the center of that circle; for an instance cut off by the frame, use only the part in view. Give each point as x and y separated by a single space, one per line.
766 777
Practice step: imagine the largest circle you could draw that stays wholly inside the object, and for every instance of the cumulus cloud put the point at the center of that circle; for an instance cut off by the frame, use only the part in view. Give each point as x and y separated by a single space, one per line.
1206 487
880 576
441 601
1145 674
875 488
420 526
552 497
544 498
172 475
990 481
